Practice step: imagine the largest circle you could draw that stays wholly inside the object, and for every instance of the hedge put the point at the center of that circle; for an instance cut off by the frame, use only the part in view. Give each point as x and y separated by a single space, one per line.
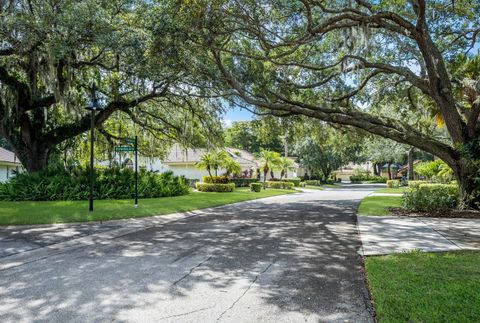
393 183
216 179
431 197
280 184
243 182
74 184
415 184
367 178
256 187
295 181
314 182
215 187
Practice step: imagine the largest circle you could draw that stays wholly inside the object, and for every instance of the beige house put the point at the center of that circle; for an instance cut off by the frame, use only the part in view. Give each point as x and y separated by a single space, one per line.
9 164
182 161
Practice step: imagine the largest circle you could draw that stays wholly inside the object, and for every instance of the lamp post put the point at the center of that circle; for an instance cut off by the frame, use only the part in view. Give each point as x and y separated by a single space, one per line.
92 106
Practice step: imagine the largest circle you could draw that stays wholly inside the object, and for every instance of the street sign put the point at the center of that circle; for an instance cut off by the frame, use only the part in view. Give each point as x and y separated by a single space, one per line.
124 148
130 141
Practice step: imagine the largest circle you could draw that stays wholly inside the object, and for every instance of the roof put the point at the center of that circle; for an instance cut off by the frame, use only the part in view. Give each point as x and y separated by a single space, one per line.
6 156
179 155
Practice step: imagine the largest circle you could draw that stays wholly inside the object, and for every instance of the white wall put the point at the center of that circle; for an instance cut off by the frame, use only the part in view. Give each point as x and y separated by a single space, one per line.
3 172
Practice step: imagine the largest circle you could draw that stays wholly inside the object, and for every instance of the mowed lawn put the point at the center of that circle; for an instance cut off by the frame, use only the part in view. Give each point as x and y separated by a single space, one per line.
13 213
426 287
378 205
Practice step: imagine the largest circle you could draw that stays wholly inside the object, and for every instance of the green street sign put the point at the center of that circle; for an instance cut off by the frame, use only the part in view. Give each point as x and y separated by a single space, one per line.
124 148
130 140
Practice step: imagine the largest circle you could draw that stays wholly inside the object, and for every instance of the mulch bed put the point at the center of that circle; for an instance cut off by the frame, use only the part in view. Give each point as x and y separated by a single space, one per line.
465 214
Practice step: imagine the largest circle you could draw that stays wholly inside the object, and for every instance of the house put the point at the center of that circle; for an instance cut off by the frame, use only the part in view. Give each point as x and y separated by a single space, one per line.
350 169
9 165
182 161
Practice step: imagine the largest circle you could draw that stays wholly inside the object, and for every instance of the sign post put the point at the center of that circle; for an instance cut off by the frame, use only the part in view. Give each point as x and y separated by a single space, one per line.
134 142
136 172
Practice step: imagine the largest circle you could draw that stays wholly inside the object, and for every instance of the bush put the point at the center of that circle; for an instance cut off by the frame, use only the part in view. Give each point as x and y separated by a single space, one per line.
295 181
256 187
284 185
74 184
216 179
394 183
302 184
431 197
415 184
215 187
314 182
367 178
243 182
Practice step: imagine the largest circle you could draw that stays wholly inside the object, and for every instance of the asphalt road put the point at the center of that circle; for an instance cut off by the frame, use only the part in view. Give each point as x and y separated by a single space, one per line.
291 258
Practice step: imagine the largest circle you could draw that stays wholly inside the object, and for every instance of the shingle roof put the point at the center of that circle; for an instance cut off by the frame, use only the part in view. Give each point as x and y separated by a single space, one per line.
7 156
192 155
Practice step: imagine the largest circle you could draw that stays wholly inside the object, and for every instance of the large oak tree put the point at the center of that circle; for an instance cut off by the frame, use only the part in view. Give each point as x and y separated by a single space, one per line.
328 59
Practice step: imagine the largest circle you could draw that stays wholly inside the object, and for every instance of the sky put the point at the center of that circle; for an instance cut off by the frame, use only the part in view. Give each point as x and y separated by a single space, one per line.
236 114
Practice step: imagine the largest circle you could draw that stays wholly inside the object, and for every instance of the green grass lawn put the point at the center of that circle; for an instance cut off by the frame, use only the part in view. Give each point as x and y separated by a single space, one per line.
426 287
399 190
12 213
378 205
332 185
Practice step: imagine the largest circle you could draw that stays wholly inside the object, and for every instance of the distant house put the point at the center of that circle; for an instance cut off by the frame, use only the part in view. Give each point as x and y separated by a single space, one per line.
9 165
182 161
348 170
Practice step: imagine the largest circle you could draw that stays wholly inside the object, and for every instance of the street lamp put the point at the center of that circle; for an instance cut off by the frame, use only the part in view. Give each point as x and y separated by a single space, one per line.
93 106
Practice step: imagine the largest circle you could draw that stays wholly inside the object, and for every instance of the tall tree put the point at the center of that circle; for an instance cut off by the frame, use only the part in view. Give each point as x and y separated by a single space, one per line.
50 54
322 59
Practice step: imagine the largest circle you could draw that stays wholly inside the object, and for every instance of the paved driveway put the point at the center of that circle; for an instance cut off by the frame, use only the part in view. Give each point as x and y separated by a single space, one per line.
291 258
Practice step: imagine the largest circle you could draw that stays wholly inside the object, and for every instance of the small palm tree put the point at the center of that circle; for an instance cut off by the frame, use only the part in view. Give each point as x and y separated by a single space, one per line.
284 164
231 166
268 162
206 162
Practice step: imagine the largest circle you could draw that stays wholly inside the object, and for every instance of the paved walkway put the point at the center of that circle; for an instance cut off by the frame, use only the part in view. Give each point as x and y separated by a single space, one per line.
292 258
391 234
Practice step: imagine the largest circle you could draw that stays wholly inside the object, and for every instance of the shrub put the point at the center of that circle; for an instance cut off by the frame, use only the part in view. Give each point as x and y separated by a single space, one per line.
367 178
284 185
243 182
215 187
431 197
314 182
256 187
394 183
415 184
74 184
216 179
295 181
302 184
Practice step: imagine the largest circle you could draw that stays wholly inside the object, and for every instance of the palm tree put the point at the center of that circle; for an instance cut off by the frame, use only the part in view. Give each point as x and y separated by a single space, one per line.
284 164
206 162
231 166
268 161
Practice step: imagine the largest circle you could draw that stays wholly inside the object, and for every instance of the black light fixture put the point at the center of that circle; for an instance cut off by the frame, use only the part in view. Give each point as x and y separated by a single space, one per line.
93 106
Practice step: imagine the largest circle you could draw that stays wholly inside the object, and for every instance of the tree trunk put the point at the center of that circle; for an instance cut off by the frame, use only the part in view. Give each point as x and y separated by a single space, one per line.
467 174
410 175
389 170
33 156
375 169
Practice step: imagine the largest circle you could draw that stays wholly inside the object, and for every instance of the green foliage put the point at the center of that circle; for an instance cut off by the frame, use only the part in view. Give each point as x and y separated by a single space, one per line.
295 181
435 171
268 161
280 184
431 197
284 165
394 183
302 184
211 187
114 183
212 160
313 182
216 179
243 182
360 176
415 184
256 187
